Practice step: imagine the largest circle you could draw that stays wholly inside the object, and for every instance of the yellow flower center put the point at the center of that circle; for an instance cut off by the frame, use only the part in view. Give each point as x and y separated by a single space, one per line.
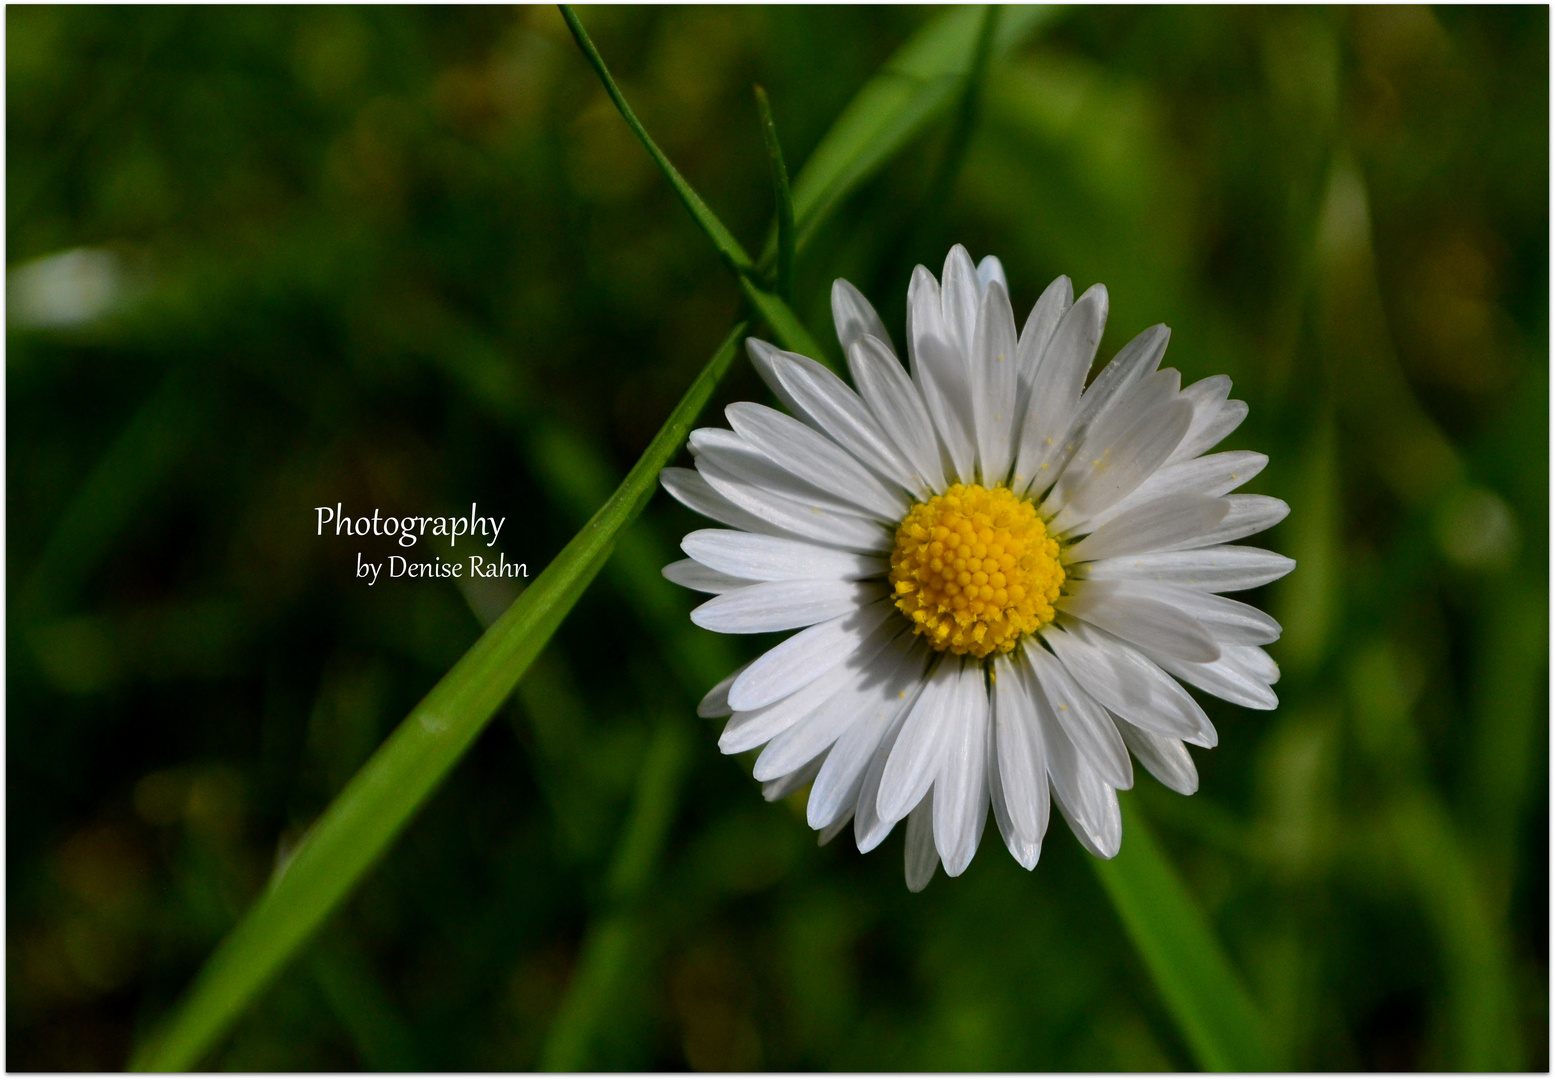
975 570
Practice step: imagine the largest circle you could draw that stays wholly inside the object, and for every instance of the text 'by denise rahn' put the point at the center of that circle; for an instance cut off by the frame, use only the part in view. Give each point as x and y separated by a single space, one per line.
409 530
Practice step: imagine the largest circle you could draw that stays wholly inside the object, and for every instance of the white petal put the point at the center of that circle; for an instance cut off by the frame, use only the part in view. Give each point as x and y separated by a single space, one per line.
783 786
716 702
1055 388
1056 299
1136 360
1257 663
779 512
959 295
854 316
1230 622
733 455
915 757
1166 759
1156 627
805 657
989 271
837 787
749 728
1026 852
1083 720
1128 683
1156 524
1225 678
816 395
1213 416
814 458
859 699
1226 568
1104 470
961 788
939 372
770 558
693 575
1248 514
770 606
1117 412
1208 397
1214 474
922 859
993 389
868 828
691 491
1088 805
1021 771
897 404
1126 389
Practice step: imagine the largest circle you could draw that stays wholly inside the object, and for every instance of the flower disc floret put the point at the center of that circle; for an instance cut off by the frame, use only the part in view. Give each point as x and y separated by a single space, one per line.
975 570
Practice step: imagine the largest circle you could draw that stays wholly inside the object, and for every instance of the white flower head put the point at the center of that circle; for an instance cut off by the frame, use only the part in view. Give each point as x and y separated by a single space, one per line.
1001 576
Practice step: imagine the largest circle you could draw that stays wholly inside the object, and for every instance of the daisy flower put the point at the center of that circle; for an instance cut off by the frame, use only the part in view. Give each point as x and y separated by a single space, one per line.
1001 576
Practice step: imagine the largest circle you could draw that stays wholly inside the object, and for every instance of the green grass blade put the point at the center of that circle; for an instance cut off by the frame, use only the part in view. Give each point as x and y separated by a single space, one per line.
1191 971
784 199
362 821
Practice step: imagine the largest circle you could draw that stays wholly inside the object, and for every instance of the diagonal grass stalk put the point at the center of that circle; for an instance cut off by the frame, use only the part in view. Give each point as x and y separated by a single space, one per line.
380 799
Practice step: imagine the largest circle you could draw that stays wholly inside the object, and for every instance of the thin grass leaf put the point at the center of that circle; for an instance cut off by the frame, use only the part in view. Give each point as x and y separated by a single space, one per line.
781 196
576 479
1190 969
378 802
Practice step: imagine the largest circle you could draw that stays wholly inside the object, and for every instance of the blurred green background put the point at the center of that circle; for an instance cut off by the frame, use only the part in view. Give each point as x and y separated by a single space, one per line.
262 260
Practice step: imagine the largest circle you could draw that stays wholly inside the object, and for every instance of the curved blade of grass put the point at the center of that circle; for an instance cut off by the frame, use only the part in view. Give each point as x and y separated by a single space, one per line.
783 281
1191 971
378 802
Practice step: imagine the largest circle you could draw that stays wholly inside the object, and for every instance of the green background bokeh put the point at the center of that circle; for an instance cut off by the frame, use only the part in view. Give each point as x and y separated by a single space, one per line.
263 260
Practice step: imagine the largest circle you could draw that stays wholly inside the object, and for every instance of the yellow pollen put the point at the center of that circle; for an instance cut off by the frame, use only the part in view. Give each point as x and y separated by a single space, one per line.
975 570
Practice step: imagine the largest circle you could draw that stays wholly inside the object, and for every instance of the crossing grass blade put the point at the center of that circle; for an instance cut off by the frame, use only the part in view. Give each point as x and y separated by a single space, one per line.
378 802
